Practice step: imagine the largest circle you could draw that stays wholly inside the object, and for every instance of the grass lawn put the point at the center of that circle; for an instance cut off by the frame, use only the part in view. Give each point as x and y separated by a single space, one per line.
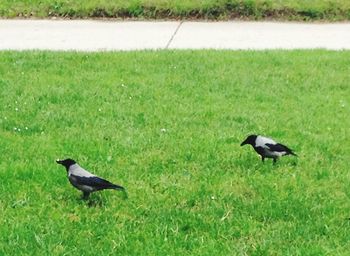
167 125
176 9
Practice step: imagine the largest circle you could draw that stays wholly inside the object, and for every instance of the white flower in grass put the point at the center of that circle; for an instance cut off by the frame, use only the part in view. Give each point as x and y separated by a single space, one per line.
213 198
342 103
163 130
19 129
26 128
16 109
99 110
15 128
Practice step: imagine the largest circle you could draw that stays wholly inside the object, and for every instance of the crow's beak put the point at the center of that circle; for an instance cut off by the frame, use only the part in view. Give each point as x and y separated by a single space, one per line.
243 143
58 161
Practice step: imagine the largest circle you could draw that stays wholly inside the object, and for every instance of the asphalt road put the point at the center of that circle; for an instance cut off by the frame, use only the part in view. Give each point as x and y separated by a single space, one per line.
91 35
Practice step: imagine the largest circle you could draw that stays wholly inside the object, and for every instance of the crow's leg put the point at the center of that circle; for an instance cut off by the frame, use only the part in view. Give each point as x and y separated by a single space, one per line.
274 160
262 159
85 195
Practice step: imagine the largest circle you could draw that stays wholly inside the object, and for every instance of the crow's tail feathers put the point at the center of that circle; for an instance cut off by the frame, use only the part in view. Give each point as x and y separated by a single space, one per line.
117 187
123 190
292 153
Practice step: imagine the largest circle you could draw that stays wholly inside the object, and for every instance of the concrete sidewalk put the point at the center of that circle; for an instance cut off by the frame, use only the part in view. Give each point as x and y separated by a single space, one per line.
88 35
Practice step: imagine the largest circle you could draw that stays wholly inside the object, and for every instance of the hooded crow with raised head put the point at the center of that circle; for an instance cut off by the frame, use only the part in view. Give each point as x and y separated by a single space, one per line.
84 180
267 147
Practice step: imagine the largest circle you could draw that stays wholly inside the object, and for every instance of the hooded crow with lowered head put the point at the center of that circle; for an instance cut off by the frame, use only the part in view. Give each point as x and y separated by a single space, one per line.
84 180
267 147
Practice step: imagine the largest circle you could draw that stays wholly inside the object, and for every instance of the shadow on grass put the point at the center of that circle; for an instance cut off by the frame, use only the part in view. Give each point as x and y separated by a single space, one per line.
95 201
269 166
98 200
251 165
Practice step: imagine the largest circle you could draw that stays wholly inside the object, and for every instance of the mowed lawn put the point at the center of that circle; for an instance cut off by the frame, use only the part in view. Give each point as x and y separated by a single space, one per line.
167 125
176 9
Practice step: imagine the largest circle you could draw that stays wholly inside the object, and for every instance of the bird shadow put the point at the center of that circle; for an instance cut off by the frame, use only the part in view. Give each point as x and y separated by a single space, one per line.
280 163
268 166
98 200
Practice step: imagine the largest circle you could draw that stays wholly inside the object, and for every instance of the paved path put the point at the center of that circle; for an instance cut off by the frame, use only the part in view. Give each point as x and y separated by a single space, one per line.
88 35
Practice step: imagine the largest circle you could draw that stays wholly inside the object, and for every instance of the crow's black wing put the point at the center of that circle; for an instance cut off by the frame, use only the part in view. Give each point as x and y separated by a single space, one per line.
95 182
279 148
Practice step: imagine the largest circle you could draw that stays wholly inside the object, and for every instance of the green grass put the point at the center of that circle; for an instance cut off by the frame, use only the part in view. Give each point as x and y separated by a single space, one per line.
192 189
180 9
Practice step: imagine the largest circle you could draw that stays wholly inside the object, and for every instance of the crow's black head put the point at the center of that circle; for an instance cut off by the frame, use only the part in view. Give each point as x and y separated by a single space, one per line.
66 162
249 140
